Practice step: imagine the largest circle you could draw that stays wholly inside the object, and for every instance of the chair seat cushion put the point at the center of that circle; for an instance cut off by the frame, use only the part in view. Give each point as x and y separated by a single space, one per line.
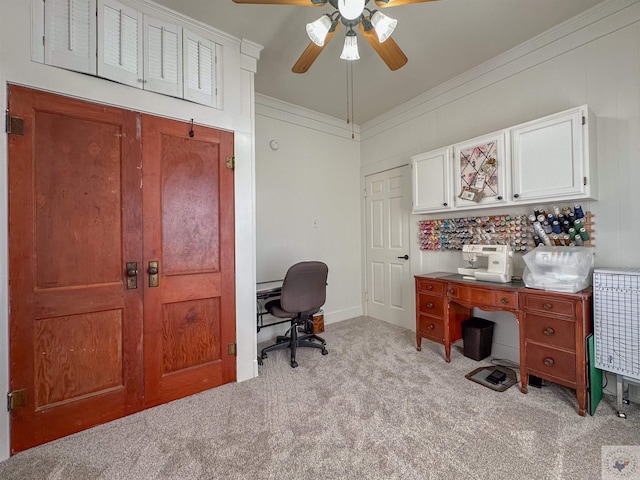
275 309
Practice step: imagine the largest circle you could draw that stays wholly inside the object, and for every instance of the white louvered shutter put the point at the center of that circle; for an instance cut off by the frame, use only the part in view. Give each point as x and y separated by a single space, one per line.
70 34
199 69
119 43
162 57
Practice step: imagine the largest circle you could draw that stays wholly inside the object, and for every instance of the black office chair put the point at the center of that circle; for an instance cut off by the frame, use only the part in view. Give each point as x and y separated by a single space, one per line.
304 291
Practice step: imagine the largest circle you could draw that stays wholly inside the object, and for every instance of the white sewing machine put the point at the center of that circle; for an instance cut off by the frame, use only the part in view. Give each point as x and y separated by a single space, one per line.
499 265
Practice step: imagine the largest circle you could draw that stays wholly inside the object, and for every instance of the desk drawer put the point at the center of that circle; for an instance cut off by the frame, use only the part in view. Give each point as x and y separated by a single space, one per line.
551 362
484 296
549 305
430 286
550 331
430 327
431 305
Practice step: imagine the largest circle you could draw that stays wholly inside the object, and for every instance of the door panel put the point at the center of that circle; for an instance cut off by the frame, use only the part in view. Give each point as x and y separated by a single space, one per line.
74 220
188 229
389 283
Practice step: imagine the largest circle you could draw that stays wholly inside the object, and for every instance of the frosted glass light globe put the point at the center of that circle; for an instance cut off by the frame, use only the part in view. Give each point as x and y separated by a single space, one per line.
351 9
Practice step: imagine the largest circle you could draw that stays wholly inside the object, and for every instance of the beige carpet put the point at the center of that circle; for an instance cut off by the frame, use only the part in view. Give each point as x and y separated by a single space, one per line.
374 408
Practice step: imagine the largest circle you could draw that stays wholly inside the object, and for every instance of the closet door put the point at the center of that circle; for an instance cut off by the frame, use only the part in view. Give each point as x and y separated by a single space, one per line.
74 223
120 43
70 34
189 259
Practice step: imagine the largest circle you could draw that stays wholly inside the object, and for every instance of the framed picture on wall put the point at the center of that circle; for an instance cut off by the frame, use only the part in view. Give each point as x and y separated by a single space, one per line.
480 169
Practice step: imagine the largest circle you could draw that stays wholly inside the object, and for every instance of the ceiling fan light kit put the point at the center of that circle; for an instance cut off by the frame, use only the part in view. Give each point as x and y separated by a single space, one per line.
318 30
383 25
351 13
350 50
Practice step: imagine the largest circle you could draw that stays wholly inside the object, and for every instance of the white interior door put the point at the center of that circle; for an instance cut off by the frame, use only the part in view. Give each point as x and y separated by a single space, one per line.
389 286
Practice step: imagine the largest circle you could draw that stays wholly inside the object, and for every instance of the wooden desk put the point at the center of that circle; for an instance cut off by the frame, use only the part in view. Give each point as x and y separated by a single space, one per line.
553 326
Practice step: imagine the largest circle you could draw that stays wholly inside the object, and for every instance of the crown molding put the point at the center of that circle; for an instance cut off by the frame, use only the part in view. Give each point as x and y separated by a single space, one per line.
547 45
288 112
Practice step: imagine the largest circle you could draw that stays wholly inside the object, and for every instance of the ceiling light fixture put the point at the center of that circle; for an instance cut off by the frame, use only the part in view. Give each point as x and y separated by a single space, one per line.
350 50
375 27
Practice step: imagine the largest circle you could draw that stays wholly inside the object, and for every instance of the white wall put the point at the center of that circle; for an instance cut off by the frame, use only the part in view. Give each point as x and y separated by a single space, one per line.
592 59
312 176
16 67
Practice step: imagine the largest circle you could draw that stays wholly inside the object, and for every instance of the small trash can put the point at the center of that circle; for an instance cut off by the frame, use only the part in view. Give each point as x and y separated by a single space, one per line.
318 322
477 335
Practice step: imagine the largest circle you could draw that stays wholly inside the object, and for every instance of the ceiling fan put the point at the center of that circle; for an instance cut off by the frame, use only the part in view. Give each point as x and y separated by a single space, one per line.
374 26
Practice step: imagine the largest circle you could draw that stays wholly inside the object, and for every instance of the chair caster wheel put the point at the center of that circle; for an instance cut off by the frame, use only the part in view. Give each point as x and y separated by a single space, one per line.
263 356
294 364
260 362
281 339
325 351
622 415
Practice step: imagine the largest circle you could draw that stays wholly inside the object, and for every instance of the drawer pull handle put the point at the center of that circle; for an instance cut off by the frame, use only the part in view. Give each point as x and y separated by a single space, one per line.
547 306
450 291
429 287
505 300
548 362
429 305
431 326
548 331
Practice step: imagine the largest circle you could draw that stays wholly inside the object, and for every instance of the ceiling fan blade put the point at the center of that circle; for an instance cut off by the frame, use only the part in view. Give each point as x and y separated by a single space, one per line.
301 3
397 3
389 50
311 53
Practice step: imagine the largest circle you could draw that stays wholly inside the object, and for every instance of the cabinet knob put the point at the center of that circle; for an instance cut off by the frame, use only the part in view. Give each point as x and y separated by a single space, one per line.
548 331
429 287
499 197
431 326
548 362
450 291
516 195
429 305
445 204
547 306
504 300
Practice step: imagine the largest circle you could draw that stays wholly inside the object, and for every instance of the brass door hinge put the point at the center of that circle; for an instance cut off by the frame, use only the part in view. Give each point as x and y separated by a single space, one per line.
14 125
232 349
16 399
231 163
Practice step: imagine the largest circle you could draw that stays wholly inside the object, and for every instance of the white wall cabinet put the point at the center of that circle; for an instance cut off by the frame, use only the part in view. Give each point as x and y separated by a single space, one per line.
554 158
430 177
129 46
546 160
480 165
70 34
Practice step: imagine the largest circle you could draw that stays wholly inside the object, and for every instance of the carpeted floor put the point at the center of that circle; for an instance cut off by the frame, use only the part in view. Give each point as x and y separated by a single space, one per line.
374 408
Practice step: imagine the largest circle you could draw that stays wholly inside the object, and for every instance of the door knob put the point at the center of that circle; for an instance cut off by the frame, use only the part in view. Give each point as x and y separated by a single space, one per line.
406 257
131 271
153 273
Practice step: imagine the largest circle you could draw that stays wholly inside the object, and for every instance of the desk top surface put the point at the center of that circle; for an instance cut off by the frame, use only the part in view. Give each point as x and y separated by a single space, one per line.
269 286
513 285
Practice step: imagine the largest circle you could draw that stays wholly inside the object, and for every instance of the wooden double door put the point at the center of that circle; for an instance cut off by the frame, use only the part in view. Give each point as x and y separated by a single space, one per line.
121 249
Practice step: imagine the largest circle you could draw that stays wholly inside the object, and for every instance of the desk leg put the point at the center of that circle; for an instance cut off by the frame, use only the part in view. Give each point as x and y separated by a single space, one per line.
418 342
524 380
447 352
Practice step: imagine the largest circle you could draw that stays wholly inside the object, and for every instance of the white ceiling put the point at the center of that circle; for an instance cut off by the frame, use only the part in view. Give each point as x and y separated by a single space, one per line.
441 39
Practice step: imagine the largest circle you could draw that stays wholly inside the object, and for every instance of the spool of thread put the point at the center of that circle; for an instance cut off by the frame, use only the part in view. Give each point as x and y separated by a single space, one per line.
572 233
546 227
577 209
532 218
566 226
578 225
541 218
555 226
537 240
566 210
572 218
556 210
536 211
566 239
550 218
584 234
578 241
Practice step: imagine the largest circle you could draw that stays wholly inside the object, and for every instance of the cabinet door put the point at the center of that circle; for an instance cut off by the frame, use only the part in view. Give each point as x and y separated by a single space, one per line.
119 43
548 158
431 180
162 57
70 35
200 83
480 170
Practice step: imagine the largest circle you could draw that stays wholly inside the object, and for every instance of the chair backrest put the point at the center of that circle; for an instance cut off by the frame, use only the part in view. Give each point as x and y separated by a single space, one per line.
305 287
